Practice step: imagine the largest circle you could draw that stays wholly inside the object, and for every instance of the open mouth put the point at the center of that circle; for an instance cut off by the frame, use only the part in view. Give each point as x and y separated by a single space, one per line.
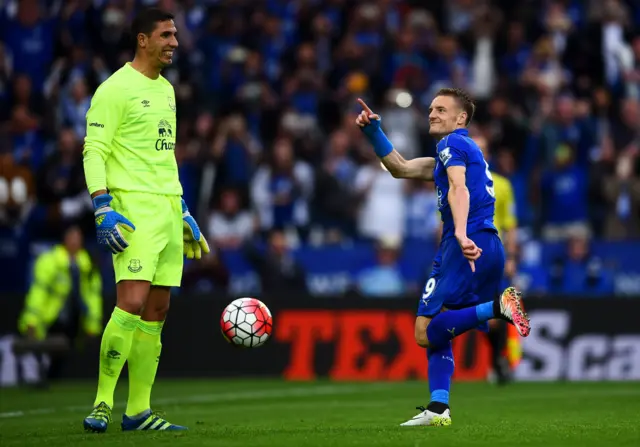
167 54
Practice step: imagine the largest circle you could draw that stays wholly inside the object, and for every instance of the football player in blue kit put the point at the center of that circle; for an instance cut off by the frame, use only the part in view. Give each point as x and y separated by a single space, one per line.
464 290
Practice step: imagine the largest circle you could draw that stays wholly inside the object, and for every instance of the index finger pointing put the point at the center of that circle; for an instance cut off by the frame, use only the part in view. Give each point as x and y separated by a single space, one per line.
365 107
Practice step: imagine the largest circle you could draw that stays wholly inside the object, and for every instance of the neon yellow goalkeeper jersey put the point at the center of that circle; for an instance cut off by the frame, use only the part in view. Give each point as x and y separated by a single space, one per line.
131 135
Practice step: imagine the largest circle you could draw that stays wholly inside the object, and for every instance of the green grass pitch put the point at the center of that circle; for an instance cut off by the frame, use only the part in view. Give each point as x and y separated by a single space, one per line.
279 414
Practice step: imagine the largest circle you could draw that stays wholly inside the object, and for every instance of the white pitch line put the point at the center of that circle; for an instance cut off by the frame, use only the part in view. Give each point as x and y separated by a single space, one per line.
220 397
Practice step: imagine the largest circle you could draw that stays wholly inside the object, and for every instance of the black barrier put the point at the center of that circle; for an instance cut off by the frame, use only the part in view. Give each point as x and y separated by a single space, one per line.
372 339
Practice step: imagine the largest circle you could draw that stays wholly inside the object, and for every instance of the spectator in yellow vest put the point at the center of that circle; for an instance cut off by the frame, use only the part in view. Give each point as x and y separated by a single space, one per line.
65 297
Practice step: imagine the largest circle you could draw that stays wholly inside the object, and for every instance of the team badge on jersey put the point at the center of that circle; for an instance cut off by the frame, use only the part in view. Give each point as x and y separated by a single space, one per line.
172 103
134 266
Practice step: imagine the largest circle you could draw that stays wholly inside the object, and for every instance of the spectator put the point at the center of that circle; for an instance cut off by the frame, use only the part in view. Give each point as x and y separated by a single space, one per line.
621 191
578 272
235 150
61 188
422 216
382 209
277 268
403 124
632 70
564 197
17 192
564 127
516 53
626 132
506 129
65 297
5 90
17 200
208 275
230 226
333 200
26 122
384 279
74 108
29 38
281 190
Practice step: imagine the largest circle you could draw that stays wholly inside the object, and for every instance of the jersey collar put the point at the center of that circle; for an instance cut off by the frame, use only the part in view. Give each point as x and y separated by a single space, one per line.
464 132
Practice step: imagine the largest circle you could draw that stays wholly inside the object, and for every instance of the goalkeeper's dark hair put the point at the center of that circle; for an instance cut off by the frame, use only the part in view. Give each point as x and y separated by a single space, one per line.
463 98
145 21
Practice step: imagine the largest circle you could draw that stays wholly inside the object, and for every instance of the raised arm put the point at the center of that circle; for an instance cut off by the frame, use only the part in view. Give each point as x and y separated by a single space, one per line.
396 164
418 168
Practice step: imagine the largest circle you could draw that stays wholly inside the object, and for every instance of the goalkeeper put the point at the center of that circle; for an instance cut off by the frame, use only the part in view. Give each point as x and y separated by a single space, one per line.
132 176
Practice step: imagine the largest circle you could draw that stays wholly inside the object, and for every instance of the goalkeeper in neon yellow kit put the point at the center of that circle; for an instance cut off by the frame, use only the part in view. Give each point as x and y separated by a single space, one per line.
132 175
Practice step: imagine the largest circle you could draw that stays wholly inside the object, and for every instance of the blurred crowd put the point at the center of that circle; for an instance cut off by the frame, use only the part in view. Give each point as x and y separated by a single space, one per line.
266 108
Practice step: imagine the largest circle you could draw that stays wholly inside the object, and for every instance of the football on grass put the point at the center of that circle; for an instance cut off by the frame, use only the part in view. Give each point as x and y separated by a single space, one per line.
246 322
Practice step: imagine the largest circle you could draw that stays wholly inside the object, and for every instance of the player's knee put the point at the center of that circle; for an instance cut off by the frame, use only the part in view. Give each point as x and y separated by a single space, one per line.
131 304
157 305
420 333
132 296
155 311
422 341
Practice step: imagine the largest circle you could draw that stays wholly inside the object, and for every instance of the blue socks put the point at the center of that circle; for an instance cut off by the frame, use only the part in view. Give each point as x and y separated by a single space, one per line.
440 371
447 325
441 330
484 311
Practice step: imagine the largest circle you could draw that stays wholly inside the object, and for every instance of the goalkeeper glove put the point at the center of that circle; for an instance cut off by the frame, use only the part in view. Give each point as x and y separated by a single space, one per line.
194 241
109 224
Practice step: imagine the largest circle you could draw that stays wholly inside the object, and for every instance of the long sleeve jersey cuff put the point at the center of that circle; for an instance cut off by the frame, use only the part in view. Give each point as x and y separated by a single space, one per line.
94 170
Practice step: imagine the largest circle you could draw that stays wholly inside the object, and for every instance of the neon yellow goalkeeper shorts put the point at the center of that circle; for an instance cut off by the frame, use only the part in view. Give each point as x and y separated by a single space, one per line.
155 251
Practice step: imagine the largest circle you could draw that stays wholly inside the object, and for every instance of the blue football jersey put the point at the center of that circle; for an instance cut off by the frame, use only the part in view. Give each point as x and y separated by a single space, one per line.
457 149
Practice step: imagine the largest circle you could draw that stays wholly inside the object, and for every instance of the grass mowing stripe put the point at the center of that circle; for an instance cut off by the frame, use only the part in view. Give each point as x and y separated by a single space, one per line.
320 390
223 397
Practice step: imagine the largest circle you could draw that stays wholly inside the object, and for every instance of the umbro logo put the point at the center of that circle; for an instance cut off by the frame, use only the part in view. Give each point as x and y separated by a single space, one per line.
113 354
145 103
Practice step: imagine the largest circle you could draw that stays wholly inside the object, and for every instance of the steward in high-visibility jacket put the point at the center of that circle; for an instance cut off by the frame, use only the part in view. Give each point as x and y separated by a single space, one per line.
63 286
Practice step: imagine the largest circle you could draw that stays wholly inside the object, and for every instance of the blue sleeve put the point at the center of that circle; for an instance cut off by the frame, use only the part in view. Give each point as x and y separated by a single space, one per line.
453 153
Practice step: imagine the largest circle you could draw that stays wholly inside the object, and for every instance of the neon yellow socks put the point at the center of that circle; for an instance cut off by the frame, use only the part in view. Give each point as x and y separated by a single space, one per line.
143 365
114 350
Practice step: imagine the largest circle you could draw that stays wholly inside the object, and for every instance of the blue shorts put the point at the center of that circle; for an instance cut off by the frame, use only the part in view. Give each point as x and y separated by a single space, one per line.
453 285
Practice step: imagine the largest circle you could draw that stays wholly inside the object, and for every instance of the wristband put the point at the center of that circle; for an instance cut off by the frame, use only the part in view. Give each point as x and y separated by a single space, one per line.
101 201
381 144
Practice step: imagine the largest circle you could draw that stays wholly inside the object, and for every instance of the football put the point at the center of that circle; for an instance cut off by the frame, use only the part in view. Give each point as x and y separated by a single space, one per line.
246 322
